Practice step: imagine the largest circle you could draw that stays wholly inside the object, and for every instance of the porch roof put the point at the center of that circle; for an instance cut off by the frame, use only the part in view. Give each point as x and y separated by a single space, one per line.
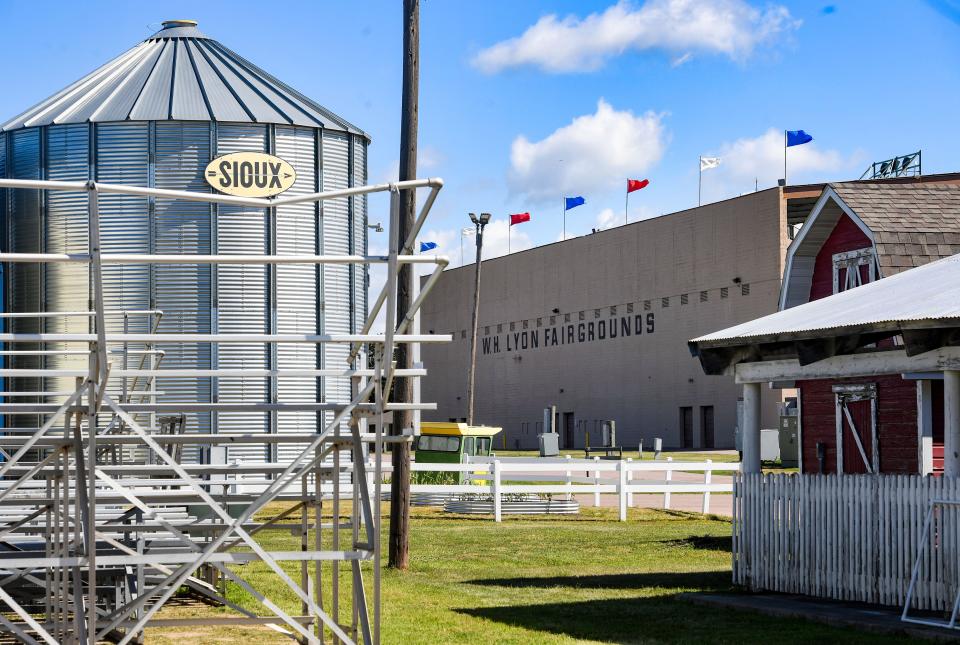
920 305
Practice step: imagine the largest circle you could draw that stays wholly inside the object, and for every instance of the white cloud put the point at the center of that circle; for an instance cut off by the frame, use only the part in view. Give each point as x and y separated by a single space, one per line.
761 158
428 158
608 219
595 152
731 28
677 61
448 243
495 240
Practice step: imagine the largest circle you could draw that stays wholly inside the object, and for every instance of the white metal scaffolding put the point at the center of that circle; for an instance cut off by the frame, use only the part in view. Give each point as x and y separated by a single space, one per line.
102 522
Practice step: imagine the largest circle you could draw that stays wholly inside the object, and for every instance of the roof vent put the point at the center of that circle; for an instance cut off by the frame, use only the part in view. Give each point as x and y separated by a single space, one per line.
171 24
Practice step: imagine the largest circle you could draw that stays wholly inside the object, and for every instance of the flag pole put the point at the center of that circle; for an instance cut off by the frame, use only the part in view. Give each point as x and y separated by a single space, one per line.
461 247
564 218
626 208
700 181
509 235
784 157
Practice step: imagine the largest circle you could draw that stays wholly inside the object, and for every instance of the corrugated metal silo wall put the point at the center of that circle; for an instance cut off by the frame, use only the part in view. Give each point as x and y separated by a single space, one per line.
24 230
225 298
182 291
335 240
65 286
297 285
242 299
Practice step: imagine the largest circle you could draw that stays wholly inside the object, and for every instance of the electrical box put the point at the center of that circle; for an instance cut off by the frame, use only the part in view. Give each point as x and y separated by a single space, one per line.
549 444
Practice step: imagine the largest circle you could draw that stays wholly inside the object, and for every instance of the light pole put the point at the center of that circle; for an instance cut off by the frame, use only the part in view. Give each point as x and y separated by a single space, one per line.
479 223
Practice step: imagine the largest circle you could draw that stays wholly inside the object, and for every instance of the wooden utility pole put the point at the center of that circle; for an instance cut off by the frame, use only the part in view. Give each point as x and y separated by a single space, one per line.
399 557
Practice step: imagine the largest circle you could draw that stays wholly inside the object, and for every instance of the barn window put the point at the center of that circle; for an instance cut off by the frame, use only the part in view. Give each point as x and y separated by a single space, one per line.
647 305
704 296
745 289
513 326
724 292
665 302
853 268
684 299
629 307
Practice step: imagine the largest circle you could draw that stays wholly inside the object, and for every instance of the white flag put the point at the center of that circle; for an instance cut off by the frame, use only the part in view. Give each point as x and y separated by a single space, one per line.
706 163
467 231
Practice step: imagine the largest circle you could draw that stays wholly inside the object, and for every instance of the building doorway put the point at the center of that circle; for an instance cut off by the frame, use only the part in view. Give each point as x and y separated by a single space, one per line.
568 434
706 427
857 449
686 427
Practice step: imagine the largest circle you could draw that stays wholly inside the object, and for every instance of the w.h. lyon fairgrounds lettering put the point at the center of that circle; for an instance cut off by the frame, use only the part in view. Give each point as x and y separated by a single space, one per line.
250 174
569 334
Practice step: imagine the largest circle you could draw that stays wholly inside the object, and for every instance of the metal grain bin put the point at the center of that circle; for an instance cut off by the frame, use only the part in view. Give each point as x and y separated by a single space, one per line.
155 116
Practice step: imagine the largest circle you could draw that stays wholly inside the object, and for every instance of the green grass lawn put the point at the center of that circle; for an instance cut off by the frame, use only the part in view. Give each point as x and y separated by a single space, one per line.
580 579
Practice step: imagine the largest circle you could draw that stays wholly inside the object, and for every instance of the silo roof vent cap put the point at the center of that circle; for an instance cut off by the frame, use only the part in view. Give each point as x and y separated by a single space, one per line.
170 24
178 29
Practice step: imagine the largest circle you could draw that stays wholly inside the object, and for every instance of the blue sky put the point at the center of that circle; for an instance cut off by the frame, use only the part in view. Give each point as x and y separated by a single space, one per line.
514 118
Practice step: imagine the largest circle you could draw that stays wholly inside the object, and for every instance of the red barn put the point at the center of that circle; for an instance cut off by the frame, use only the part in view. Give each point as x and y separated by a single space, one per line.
856 233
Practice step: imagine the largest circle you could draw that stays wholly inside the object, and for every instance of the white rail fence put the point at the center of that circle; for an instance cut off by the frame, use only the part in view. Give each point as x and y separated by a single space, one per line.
848 537
499 477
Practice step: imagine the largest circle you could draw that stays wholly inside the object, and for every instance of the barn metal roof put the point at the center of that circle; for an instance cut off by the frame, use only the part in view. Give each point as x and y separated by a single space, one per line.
179 73
922 305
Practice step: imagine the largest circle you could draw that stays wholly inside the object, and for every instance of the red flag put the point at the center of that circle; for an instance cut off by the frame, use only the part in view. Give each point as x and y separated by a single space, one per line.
636 184
519 218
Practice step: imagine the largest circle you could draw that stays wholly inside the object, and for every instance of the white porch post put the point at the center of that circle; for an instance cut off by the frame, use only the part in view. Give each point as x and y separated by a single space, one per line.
951 423
750 437
925 426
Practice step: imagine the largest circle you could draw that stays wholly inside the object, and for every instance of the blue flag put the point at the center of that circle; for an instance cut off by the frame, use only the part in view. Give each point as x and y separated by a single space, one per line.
797 137
426 246
573 202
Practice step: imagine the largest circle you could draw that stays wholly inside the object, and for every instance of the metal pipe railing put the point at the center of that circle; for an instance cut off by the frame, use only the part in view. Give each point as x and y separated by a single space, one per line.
85 507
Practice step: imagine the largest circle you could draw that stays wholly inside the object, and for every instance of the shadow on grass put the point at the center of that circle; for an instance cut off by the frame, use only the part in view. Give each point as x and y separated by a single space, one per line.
704 542
699 580
664 619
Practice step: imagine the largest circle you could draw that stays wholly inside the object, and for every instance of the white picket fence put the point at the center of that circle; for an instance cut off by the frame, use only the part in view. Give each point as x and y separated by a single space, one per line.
847 537
499 476
568 476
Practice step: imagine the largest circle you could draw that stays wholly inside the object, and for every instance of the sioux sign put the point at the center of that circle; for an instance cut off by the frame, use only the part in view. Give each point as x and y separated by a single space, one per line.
250 174
569 334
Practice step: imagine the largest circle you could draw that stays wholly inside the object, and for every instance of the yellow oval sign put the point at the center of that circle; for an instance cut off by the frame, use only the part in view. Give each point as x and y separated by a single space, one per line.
250 174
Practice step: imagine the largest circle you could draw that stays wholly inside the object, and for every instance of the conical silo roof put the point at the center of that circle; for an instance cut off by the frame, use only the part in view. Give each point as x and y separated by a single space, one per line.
179 73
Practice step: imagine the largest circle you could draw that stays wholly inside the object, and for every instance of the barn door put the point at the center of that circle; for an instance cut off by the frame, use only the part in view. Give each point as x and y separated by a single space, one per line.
857 447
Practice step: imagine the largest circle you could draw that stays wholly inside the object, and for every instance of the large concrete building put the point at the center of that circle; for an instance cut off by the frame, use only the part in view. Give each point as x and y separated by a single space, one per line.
598 325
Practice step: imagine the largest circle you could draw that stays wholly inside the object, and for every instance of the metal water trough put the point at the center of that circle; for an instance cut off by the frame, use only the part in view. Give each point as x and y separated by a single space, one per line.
525 504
